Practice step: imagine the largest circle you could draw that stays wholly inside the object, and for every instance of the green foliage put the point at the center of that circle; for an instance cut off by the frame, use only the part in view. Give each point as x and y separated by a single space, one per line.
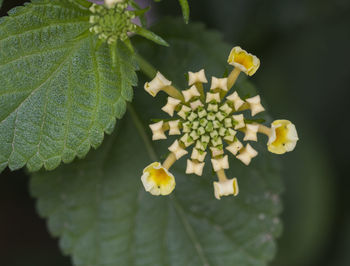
185 10
58 94
1 2
150 36
103 216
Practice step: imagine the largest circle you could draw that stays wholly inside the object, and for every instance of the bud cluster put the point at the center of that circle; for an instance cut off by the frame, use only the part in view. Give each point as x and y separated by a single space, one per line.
112 24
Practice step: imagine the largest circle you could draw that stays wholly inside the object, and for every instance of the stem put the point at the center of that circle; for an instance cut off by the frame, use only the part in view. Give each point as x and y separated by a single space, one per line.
265 130
141 130
221 175
169 161
84 3
145 67
200 88
232 78
173 92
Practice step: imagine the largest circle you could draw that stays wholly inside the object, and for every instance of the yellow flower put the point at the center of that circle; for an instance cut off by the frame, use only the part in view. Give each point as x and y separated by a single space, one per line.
157 180
244 61
283 137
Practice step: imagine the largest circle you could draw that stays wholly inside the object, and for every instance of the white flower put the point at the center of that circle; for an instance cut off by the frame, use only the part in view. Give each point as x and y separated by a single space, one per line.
194 168
213 97
198 155
221 163
240 121
217 83
157 130
284 137
177 150
157 84
157 180
250 133
225 188
190 93
244 61
255 105
197 77
174 127
171 105
247 154
235 147
236 100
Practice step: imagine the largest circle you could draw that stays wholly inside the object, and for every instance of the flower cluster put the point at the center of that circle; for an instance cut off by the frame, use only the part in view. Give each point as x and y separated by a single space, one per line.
112 21
208 121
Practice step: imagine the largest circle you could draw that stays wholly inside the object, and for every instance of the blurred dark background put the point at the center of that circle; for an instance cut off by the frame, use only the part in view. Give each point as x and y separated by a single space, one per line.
304 77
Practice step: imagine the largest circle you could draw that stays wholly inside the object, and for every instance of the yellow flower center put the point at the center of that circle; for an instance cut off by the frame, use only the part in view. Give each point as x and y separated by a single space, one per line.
244 59
159 176
281 136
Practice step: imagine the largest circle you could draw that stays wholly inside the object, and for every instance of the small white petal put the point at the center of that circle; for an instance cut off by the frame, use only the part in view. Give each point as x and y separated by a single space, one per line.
221 163
251 131
174 127
158 83
190 93
177 150
255 105
236 100
235 147
171 105
247 154
213 97
196 77
194 168
240 119
217 83
198 155
157 130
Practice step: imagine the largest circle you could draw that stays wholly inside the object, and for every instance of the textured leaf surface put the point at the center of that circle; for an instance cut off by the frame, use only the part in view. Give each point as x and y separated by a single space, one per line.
58 94
103 216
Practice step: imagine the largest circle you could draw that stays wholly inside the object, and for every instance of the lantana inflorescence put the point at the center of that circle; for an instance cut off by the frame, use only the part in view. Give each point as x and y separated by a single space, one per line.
206 123
112 21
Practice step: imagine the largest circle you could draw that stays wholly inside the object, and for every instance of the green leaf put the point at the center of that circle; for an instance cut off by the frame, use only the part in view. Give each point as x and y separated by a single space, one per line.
103 216
150 36
58 94
1 2
185 10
